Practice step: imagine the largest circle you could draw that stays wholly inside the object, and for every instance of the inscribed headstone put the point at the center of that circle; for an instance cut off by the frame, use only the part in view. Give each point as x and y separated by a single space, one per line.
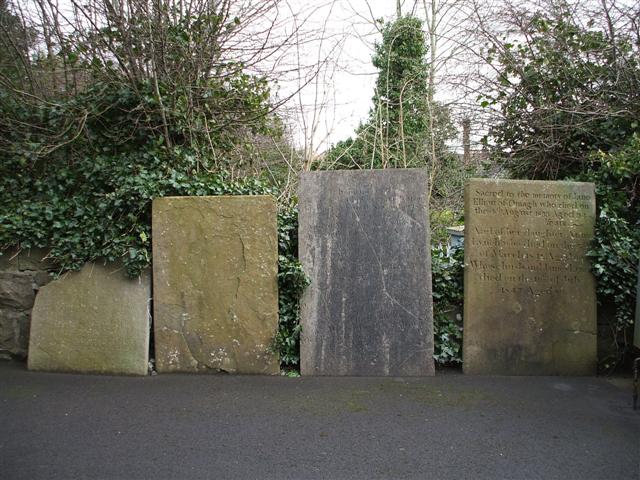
529 296
215 267
364 243
92 321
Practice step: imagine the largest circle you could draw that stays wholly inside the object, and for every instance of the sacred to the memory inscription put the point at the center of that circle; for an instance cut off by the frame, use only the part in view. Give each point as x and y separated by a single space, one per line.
529 296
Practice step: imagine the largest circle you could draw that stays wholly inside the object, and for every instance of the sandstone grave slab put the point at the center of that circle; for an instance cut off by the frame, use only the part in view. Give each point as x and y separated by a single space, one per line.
93 321
529 296
364 242
215 284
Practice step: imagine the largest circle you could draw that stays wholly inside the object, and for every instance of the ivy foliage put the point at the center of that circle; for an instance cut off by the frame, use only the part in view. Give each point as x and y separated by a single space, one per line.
447 285
615 252
291 282
101 209
87 195
564 91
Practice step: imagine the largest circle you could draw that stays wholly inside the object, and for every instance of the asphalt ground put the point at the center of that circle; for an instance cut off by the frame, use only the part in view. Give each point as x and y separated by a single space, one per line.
63 426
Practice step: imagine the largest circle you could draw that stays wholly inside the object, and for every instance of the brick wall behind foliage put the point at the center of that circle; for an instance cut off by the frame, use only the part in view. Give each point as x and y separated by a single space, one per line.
21 275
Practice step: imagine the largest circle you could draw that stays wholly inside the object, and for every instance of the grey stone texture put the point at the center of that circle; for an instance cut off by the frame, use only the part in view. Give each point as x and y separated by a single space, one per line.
19 260
92 321
16 290
215 284
364 242
22 273
529 295
14 332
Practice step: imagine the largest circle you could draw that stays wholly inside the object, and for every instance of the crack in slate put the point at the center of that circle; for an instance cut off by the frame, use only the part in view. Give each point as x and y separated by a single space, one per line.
375 254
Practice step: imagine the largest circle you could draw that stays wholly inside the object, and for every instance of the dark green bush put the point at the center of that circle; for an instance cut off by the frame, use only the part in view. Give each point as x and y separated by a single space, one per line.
616 248
78 174
291 282
447 278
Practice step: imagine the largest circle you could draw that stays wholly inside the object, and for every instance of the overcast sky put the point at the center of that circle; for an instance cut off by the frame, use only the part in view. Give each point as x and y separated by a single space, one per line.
344 32
344 87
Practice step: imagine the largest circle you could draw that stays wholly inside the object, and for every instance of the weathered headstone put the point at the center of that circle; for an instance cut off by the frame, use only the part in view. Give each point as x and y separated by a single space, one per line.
364 243
92 321
529 296
215 267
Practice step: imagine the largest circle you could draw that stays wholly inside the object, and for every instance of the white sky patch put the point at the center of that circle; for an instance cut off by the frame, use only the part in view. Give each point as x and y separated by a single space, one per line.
339 37
335 97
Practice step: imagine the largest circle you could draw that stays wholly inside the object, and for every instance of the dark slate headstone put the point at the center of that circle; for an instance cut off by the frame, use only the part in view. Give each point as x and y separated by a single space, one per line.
364 243
529 295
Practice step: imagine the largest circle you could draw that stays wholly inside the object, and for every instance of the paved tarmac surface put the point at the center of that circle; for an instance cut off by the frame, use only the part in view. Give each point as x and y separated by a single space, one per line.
56 426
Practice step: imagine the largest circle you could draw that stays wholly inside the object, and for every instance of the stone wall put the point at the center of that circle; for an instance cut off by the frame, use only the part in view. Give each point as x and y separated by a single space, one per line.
22 273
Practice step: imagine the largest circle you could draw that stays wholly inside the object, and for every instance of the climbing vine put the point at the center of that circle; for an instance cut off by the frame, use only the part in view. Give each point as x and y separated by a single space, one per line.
447 283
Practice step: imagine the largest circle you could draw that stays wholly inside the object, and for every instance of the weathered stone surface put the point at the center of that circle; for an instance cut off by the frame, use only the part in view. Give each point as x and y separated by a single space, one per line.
35 259
15 259
14 332
16 290
215 284
529 297
95 321
364 242
7 328
21 275
40 279
9 260
636 336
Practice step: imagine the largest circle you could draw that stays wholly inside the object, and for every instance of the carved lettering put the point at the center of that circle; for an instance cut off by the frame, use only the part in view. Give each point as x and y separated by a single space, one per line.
529 301
548 242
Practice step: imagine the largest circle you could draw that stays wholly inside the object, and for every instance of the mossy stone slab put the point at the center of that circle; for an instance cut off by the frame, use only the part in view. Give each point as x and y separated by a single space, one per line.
529 295
92 321
215 284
